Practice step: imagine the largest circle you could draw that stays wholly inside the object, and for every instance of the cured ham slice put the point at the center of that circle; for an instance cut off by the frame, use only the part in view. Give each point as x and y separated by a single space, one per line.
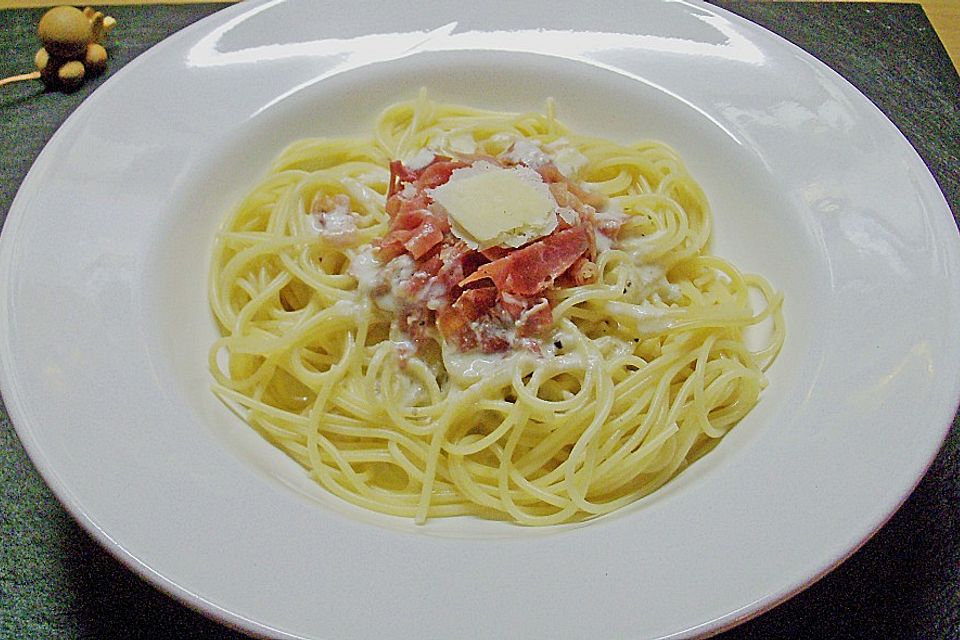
535 319
470 306
416 231
424 238
530 270
398 175
552 175
438 172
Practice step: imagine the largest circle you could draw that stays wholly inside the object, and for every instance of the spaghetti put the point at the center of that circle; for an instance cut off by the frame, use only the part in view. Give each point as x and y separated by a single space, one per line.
539 401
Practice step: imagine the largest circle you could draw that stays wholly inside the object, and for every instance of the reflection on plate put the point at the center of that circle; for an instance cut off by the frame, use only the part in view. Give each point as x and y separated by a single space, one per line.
105 323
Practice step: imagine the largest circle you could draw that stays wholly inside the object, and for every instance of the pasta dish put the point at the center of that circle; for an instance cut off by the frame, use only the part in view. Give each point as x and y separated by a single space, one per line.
475 312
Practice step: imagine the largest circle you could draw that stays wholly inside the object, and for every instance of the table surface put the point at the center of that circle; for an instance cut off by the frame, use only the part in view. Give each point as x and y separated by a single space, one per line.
944 15
55 582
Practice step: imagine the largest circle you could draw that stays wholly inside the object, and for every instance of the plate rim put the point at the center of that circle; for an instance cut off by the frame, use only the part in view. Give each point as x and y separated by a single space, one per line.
18 412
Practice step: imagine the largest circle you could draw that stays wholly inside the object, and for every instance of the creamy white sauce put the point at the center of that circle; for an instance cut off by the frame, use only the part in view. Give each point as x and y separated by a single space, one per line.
362 194
365 268
394 275
381 282
613 348
647 317
566 157
346 307
462 143
653 281
560 153
433 295
338 225
612 214
334 223
651 275
472 367
505 139
419 160
527 152
469 368
604 242
404 347
451 143
648 283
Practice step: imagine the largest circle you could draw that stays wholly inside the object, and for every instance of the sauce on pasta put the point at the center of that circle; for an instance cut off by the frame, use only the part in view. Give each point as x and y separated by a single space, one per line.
546 353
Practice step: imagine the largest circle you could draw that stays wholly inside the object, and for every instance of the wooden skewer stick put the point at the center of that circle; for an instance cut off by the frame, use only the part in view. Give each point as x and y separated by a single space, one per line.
23 76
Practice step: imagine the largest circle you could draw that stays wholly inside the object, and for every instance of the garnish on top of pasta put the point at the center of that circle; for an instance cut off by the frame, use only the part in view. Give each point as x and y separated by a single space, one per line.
484 313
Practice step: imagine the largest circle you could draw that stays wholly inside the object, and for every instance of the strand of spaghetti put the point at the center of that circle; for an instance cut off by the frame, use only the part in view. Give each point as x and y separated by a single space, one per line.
464 448
529 517
380 373
316 441
583 452
436 441
638 459
656 415
331 318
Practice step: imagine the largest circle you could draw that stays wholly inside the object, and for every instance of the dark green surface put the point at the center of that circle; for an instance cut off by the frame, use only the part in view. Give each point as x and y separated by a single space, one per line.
55 582
904 583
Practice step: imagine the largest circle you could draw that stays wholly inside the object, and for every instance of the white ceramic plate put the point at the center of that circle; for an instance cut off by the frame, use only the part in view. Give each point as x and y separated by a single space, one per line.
104 327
